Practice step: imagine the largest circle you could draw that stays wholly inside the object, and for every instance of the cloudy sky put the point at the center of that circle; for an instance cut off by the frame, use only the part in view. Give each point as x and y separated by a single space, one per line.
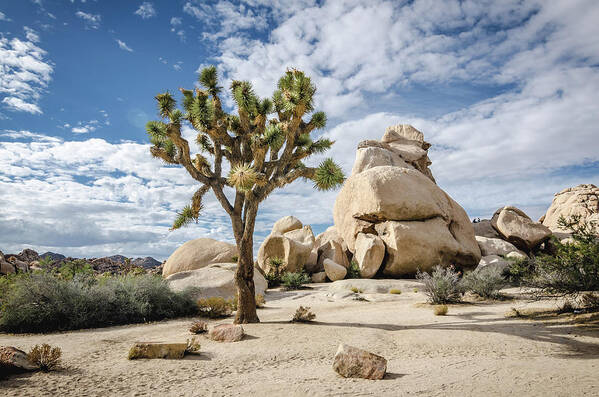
506 91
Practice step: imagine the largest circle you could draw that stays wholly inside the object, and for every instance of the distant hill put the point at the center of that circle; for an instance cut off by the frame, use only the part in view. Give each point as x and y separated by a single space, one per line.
53 255
118 258
148 262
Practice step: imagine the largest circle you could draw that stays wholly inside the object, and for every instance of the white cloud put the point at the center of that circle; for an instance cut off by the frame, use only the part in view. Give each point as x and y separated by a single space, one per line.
146 10
226 18
91 21
177 66
85 127
31 34
24 74
3 17
123 45
175 21
20 105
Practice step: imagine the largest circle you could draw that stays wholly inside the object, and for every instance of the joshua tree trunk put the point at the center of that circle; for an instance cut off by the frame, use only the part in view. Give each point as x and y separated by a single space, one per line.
244 276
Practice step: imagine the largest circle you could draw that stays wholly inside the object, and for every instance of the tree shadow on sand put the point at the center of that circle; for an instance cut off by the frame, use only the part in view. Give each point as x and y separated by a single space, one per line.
548 330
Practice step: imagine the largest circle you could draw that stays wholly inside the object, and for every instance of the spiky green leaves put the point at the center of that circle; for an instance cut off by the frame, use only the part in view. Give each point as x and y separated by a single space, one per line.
201 111
319 120
166 104
319 146
159 138
185 217
209 79
274 137
242 177
297 91
244 96
264 107
191 213
205 143
328 175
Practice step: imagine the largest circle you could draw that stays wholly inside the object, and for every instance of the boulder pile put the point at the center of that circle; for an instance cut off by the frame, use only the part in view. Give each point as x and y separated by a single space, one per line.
391 204
581 200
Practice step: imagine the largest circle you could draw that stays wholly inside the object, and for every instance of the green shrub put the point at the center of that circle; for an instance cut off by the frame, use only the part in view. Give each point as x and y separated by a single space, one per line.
215 307
356 290
395 291
295 280
354 270
442 286
44 302
485 282
45 357
70 269
573 268
274 274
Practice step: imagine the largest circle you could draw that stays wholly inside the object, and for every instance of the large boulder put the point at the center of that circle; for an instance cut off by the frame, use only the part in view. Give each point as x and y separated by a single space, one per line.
484 228
351 362
517 228
333 251
294 247
334 271
370 252
582 200
198 253
495 246
419 223
286 224
493 261
5 266
226 333
213 280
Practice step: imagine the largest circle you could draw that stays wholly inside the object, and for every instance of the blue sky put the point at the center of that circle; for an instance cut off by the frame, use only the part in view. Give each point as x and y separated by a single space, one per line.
505 91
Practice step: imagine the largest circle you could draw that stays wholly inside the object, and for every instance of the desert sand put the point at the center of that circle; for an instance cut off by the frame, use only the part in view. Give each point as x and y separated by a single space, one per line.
474 350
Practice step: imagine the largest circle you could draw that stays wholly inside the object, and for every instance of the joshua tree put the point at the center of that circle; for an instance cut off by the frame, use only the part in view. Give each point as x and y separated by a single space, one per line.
265 145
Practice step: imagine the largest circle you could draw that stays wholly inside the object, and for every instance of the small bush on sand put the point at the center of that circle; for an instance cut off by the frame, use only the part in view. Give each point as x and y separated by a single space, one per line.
589 300
415 290
395 291
442 286
198 327
274 274
440 310
303 315
297 280
193 346
260 301
214 307
43 302
46 357
356 290
354 270
485 282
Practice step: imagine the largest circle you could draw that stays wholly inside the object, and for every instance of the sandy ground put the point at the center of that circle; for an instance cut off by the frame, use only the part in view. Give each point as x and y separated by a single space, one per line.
474 350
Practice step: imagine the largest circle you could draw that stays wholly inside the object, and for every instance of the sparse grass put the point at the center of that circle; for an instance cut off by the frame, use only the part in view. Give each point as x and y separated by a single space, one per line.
260 301
440 310
45 357
198 327
214 307
395 291
293 281
303 315
442 286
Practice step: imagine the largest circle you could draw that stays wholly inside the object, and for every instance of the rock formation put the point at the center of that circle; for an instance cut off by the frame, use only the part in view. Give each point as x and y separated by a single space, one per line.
290 241
392 194
517 228
198 253
582 200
